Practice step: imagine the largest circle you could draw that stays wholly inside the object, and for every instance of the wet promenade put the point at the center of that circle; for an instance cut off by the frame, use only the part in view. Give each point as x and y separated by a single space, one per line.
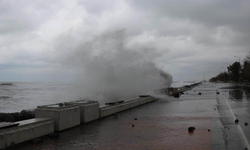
164 124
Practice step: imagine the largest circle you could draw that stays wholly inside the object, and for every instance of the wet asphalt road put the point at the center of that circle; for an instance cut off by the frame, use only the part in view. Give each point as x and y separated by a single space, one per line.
164 124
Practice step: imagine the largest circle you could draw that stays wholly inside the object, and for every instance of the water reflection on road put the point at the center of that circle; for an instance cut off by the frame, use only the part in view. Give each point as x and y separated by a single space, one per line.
238 93
238 97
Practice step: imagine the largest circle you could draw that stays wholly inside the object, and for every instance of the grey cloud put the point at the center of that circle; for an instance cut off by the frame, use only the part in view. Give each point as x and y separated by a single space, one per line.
96 7
211 15
196 32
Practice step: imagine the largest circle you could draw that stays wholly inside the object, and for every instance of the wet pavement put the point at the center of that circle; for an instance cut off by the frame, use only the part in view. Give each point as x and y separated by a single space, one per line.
164 124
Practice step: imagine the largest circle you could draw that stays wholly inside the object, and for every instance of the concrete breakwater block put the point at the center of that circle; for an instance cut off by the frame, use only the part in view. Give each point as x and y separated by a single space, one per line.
25 131
147 100
151 99
107 110
64 115
134 103
112 109
143 101
89 110
122 107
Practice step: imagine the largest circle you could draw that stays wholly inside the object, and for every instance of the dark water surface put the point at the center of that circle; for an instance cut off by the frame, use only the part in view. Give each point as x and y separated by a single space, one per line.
17 96
28 95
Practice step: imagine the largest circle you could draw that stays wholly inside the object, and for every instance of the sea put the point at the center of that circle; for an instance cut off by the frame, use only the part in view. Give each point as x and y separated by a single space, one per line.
18 96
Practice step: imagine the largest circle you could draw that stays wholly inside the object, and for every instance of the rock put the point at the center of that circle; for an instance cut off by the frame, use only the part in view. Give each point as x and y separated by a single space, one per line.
217 92
36 140
16 116
208 130
6 84
199 93
135 119
4 97
133 125
236 121
246 123
215 109
191 129
13 117
144 95
54 135
6 117
27 114
177 94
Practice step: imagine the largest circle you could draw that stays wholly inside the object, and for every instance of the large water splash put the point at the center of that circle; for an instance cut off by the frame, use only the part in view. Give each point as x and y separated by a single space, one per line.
111 67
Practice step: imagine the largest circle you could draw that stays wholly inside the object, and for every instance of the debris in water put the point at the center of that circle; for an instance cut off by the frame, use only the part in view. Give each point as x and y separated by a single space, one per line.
236 121
246 123
191 129
177 95
4 97
6 84
144 95
199 93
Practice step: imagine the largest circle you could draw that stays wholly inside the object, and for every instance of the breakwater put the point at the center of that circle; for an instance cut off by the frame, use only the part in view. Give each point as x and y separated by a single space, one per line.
50 119
57 117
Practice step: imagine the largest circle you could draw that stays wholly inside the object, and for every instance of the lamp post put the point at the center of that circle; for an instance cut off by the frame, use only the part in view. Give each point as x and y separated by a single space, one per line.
239 67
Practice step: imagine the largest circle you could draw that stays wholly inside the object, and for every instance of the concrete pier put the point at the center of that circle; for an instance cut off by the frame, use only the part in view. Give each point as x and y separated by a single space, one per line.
64 115
25 131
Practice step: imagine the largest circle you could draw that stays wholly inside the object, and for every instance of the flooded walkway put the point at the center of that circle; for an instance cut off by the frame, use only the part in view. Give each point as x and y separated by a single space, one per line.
164 125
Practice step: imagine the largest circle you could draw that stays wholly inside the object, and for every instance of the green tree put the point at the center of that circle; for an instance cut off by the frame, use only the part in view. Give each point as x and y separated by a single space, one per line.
247 59
220 77
235 71
246 71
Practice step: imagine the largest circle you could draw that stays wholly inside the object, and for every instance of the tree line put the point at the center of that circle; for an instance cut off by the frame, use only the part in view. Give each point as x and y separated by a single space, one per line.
235 72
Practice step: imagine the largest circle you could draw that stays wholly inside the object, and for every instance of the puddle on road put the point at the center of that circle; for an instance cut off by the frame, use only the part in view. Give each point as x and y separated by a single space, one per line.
239 93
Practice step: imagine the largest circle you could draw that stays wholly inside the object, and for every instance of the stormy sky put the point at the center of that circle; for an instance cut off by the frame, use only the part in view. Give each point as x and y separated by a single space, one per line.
198 37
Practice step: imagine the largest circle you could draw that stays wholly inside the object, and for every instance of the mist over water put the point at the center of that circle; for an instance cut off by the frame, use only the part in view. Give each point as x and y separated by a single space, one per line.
111 67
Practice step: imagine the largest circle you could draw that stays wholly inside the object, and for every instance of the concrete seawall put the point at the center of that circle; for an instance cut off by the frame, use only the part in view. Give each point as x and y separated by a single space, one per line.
58 117
25 131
